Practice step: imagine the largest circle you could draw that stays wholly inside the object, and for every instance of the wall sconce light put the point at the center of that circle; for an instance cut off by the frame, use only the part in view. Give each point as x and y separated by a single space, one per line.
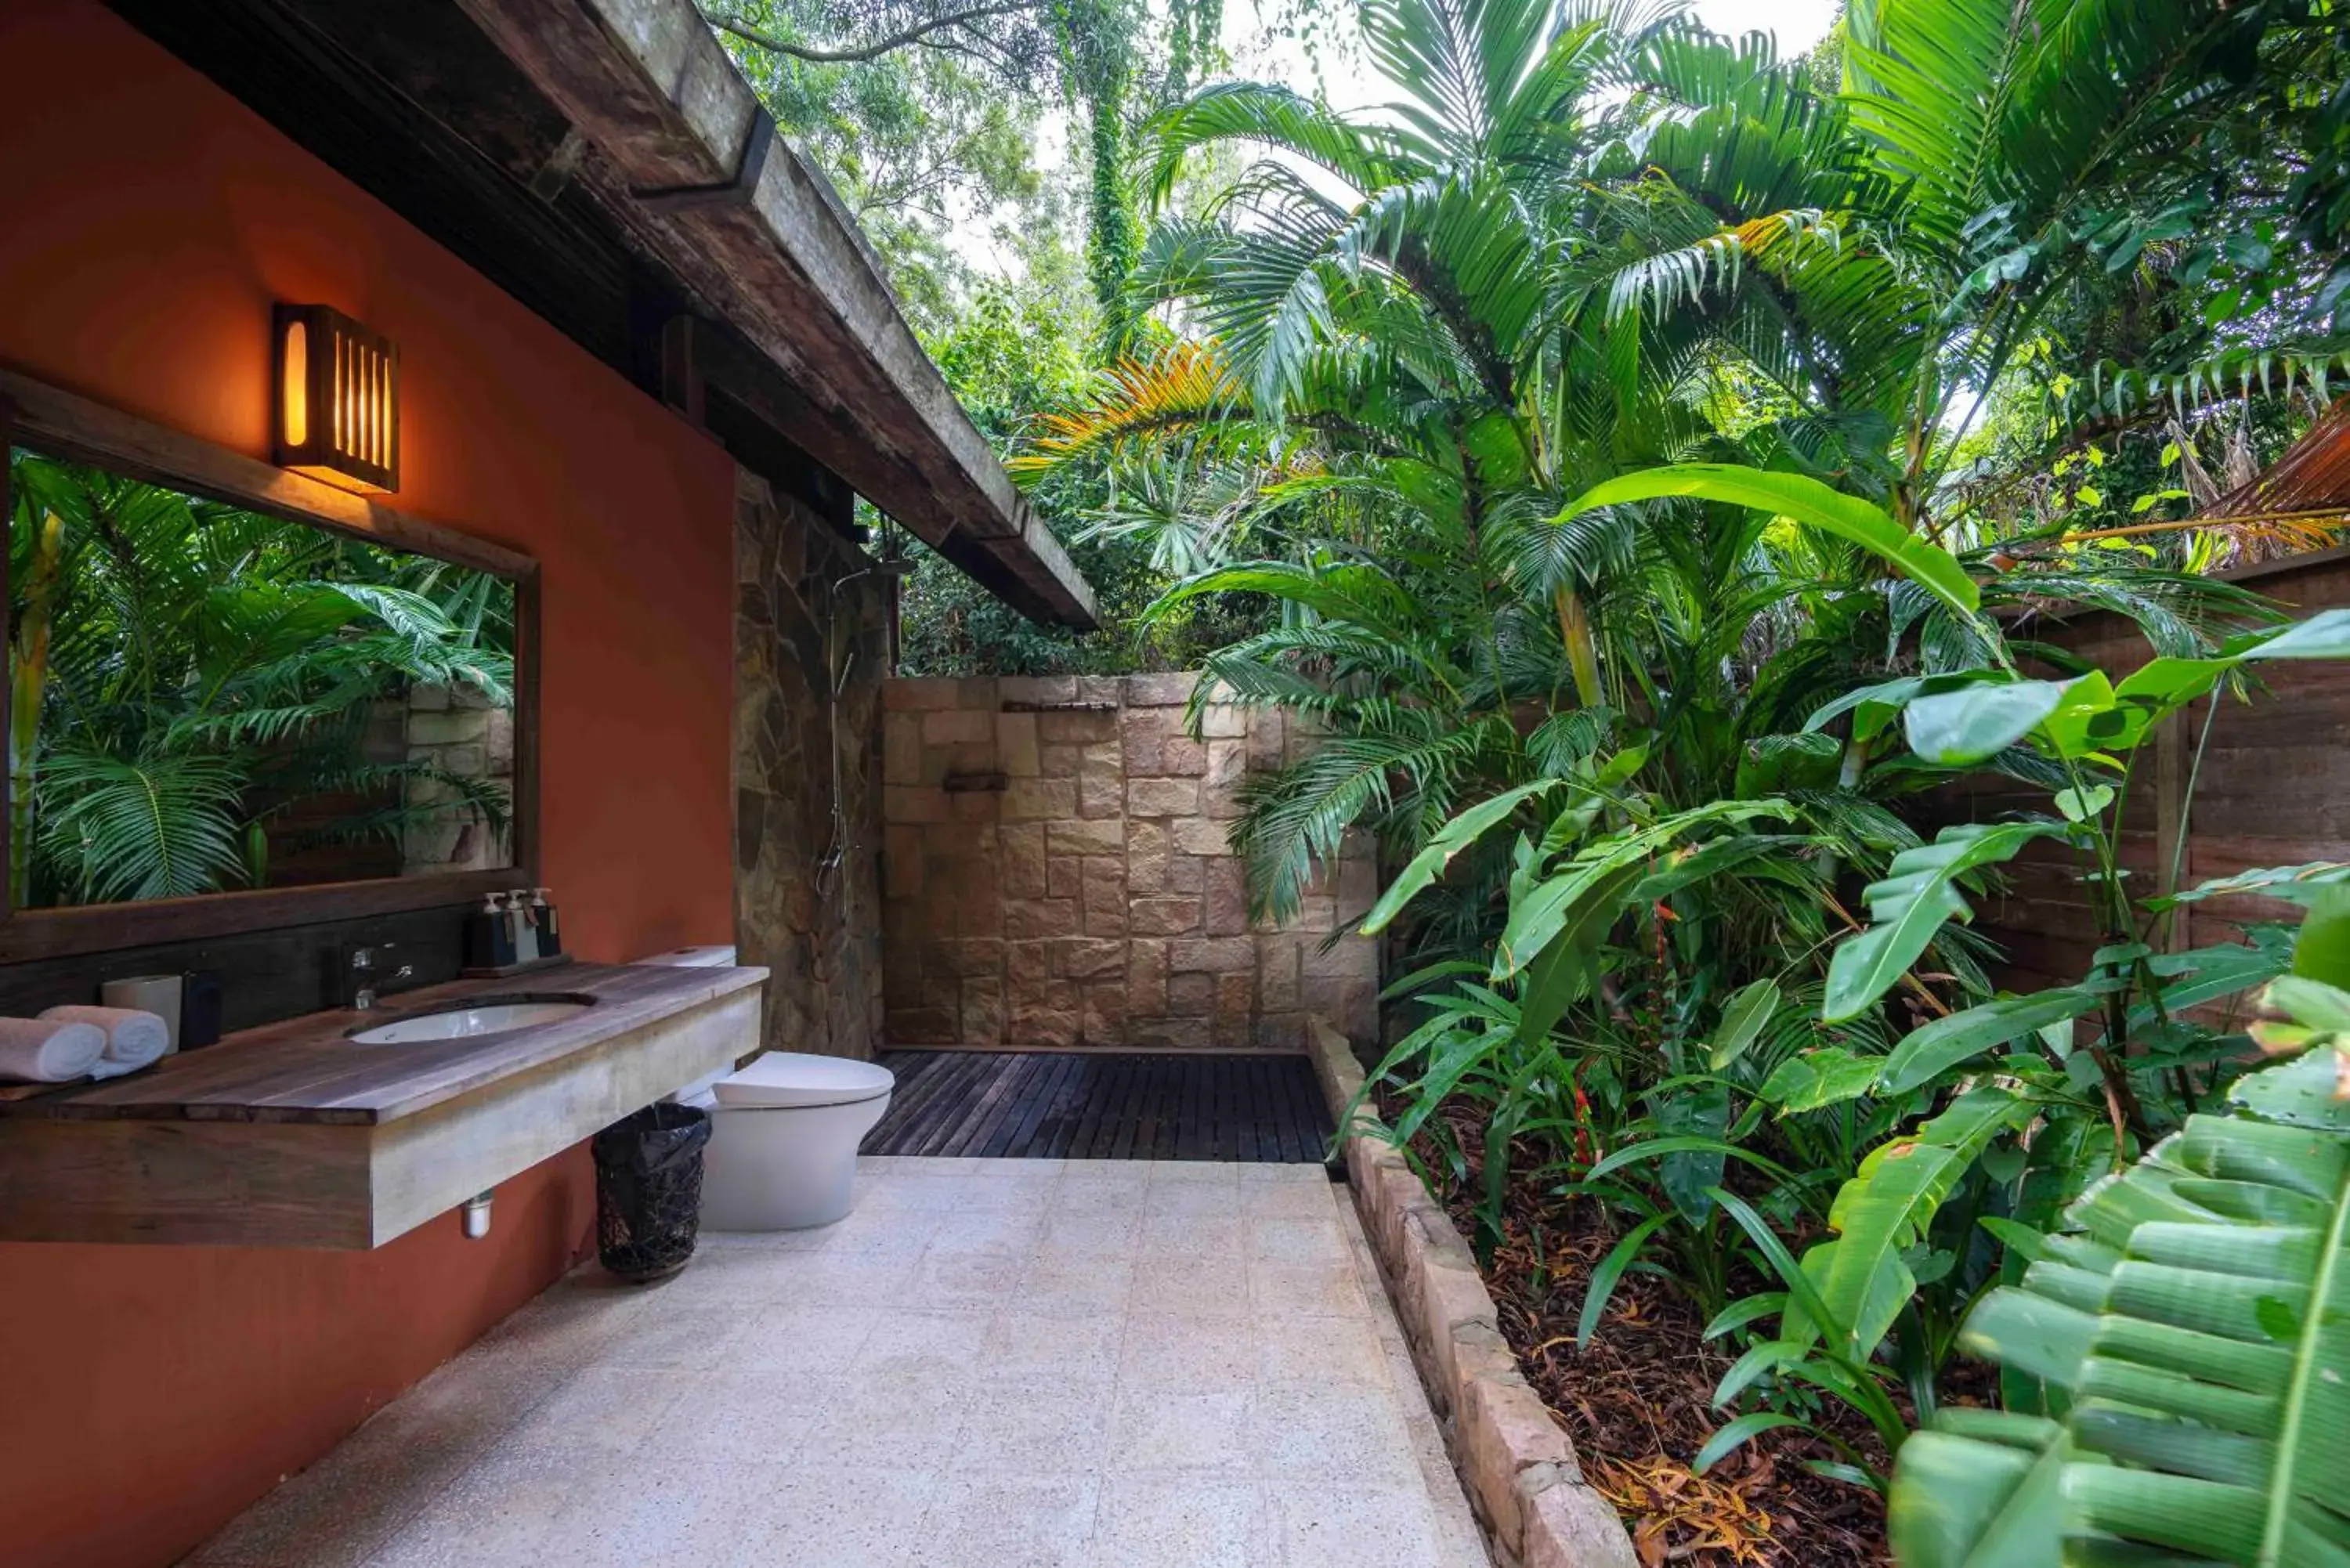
337 399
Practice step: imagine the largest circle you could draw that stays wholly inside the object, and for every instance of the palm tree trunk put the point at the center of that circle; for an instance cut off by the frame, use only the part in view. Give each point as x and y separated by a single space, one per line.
1582 650
28 675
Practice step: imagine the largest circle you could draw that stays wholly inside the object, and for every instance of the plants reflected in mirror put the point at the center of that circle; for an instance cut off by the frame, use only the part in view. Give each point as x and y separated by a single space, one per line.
204 698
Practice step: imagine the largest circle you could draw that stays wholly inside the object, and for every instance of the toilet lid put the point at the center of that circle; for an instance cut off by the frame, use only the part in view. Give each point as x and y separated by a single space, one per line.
783 1078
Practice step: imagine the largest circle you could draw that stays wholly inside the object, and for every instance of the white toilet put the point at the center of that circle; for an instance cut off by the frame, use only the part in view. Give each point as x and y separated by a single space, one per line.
784 1132
783 1144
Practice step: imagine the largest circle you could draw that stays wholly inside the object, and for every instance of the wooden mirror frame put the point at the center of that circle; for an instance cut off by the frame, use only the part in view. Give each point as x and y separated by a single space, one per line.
58 424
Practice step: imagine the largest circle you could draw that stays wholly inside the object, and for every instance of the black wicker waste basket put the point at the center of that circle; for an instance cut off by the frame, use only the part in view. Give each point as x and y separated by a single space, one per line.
649 1190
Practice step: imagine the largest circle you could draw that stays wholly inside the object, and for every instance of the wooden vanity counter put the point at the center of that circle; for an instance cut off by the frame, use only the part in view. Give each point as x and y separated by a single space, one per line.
305 1069
290 1134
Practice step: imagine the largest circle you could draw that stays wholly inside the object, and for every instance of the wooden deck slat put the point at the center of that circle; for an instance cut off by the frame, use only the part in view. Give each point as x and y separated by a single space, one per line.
1239 1134
1129 1115
1166 1111
1286 1142
1086 1130
947 1086
920 1079
1309 1115
937 1091
1046 1080
1249 1091
1147 1117
1059 1133
979 1112
1299 1140
1092 1105
1191 1129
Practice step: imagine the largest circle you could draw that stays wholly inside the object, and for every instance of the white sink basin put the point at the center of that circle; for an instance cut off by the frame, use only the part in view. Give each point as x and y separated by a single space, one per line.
464 1022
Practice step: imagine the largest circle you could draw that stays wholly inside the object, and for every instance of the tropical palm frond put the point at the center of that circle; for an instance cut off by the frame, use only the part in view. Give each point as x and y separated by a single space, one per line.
2234 372
1182 387
1563 741
1363 156
1191 518
204 659
1930 85
1541 553
1399 770
2183 614
163 827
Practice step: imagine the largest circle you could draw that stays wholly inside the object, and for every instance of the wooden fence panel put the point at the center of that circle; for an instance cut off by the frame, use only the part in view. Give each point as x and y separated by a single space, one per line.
2273 789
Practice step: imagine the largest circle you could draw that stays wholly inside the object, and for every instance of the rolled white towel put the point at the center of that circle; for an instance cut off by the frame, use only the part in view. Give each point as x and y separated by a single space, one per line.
133 1039
48 1050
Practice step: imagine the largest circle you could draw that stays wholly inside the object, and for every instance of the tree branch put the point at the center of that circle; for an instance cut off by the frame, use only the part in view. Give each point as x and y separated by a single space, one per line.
913 33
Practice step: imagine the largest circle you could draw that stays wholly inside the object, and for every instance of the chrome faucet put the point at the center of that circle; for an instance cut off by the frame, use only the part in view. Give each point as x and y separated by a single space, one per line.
361 975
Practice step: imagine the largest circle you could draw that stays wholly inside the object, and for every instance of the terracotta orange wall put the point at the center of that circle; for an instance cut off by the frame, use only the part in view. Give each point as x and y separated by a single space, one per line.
150 220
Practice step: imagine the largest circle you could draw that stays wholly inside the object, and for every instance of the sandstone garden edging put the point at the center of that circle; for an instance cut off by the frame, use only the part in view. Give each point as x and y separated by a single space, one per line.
1516 1465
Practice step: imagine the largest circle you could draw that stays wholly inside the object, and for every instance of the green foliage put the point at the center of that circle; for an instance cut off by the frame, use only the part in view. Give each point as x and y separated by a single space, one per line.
926 115
1907 909
184 672
1801 499
1016 354
2193 1313
1628 459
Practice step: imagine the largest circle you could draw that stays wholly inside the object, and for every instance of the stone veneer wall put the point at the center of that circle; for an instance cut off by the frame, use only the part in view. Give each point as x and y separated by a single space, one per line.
807 900
1055 873
455 728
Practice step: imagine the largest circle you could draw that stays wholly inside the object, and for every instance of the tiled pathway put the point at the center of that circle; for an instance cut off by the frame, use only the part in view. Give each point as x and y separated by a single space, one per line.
992 1364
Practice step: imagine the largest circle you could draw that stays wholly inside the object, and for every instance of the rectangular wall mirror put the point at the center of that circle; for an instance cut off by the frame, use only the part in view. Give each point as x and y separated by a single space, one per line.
209 698
236 698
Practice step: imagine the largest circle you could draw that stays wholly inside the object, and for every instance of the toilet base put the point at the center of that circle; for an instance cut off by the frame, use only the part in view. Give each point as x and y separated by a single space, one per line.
784 1168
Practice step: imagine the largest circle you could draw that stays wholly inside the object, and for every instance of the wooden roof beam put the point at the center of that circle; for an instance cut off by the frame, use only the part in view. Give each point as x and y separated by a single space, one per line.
691 163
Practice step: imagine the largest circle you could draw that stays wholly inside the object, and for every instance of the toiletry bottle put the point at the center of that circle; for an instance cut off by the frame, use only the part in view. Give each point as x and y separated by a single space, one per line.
489 935
525 935
550 934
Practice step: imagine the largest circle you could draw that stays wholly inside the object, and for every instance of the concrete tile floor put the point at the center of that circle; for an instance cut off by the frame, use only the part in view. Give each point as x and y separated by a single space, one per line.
991 1364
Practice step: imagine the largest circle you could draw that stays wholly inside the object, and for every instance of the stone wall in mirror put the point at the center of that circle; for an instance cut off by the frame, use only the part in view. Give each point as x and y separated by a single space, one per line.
208 699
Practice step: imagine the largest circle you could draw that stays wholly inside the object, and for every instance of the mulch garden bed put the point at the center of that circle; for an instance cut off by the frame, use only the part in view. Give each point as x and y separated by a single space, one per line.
1638 1405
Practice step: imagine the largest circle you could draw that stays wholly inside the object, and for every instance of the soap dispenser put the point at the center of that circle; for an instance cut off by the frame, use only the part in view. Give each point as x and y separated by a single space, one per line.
489 934
518 919
550 934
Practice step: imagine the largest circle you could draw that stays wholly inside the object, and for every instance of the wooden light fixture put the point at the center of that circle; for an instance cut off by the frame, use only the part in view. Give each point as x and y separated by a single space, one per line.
337 399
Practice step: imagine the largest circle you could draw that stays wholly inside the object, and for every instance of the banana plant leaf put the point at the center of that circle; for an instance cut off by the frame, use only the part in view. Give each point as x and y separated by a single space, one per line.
2207 975
1809 501
1863 1280
1977 723
1565 969
1827 1077
1982 1489
1551 905
1906 908
1876 706
1449 841
2198 1310
1957 725
2301 884
1934 1048
1743 1017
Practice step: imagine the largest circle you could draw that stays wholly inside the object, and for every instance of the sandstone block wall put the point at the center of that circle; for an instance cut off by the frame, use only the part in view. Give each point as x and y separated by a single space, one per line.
1056 872
456 730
